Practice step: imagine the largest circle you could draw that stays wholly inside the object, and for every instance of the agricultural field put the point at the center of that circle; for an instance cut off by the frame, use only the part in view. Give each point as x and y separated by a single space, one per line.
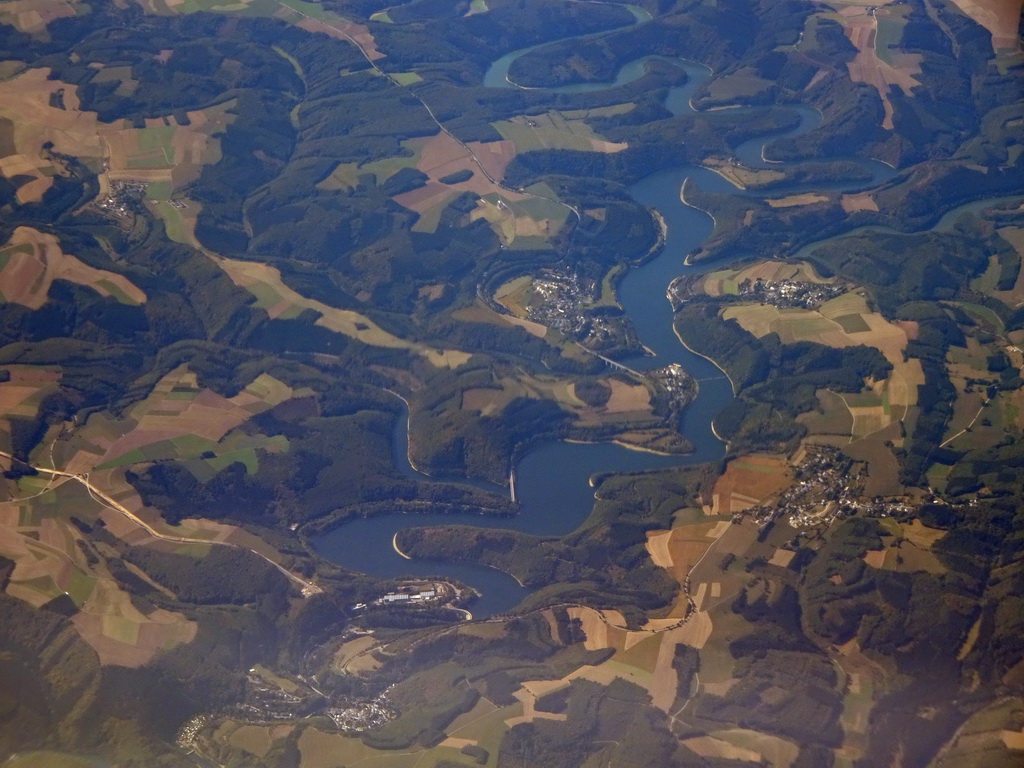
481 313
861 201
523 220
42 526
164 155
735 88
872 29
178 420
749 481
265 283
48 759
1015 296
906 548
28 122
865 425
993 736
741 176
483 726
22 394
306 15
354 655
38 535
33 16
628 402
554 130
842 322
281 302
1000 18
790 201
31 260
743 744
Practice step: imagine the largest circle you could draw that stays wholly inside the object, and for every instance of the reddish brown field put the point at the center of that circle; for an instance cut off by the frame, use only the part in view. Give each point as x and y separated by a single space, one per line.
866 67
494 156
442 155
1000 17
749 481
862 201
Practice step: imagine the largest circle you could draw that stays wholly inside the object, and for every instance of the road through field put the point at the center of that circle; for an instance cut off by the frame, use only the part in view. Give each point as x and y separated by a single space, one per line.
307 588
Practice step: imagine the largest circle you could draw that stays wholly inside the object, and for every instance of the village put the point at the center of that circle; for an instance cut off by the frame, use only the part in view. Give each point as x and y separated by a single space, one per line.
783 294
789 294
123 201
826 486
563 301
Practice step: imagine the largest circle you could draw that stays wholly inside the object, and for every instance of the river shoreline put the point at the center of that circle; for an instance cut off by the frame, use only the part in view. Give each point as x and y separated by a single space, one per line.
710 360
554 478
394 545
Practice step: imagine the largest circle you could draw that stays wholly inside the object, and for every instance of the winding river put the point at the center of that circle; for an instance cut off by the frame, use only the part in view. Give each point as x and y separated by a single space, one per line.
552 481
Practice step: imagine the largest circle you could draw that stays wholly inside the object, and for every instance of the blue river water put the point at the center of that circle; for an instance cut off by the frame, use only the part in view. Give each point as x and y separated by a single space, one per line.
553 480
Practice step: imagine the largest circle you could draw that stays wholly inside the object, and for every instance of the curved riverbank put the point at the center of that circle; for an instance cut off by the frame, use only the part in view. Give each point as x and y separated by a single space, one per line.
553 479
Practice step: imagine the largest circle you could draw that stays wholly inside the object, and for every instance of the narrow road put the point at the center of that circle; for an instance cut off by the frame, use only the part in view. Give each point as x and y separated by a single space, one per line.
969 426
306 587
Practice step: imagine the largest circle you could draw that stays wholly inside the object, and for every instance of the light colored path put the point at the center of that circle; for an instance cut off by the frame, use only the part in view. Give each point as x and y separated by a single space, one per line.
307 587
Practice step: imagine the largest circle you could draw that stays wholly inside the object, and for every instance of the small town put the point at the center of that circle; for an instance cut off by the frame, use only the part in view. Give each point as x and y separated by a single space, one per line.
784 294
562 301
789 294
362 716
824 489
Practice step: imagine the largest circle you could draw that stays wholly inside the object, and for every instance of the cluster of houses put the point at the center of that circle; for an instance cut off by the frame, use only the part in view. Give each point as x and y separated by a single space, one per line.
787 294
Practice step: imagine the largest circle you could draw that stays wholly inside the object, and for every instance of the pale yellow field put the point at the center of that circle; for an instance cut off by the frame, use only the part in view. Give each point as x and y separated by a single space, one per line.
807 198
32 16
749 481
25 100
726 281
33 260
709 746
627 397
355 650
862 201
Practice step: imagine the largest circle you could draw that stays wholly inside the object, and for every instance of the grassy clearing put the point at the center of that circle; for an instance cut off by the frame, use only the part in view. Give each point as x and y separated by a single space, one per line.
406 78
554 130
33 16
50 759
740 86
